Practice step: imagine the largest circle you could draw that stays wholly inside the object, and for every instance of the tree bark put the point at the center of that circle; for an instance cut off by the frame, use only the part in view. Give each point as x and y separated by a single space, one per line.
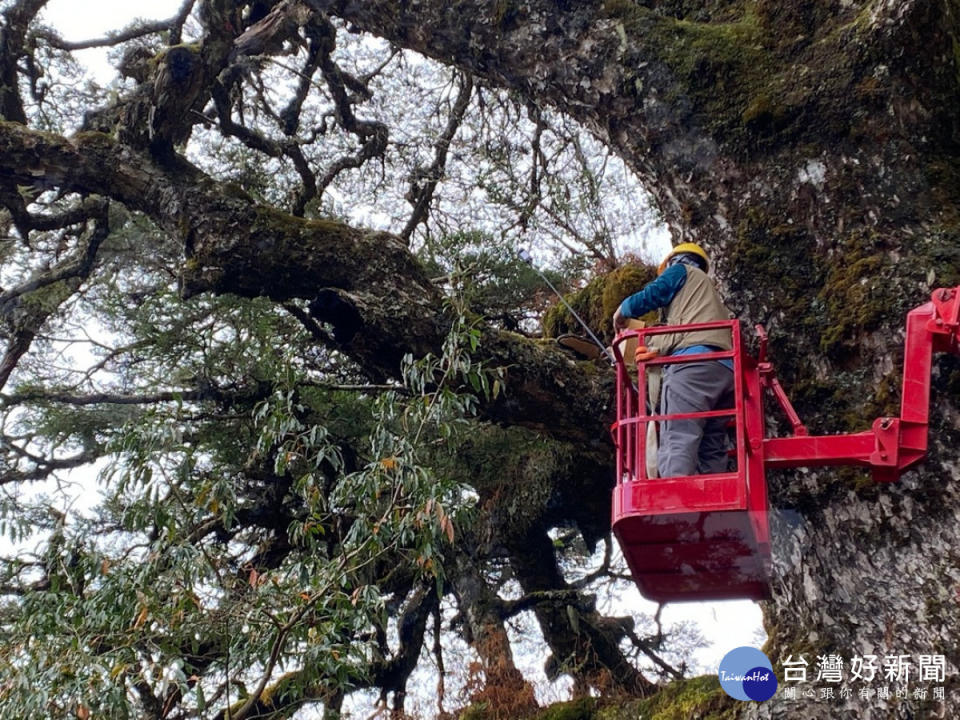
505 691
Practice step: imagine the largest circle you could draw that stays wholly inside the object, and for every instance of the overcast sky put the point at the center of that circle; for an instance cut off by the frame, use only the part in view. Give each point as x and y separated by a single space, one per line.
83 19
89 19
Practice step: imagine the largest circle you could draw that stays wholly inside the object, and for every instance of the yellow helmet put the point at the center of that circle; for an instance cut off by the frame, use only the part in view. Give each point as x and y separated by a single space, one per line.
685 248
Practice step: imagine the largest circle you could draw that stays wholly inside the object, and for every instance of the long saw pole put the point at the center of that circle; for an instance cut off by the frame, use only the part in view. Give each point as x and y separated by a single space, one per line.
525 257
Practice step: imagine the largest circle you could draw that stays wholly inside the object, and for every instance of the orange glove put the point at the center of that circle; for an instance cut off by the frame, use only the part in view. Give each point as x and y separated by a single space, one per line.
643 353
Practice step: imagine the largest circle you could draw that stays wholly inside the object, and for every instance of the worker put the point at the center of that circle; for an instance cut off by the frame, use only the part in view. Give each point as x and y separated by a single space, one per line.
684 295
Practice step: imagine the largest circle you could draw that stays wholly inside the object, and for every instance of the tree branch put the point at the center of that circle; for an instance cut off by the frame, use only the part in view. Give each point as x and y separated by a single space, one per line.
422 195
510 608
46 467
373 135
173 24
13 46
375 290
25 318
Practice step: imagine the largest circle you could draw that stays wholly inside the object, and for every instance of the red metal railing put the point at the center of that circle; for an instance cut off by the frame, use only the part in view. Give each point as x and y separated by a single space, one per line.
892 445
630 428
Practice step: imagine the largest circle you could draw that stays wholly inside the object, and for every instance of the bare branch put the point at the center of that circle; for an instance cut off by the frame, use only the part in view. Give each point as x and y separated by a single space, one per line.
645 648
290 115
195 395
73 267
104 398
256 140
538 163
26 321
312 326
373 135
600 572
422 195
173 25
46 467
90 207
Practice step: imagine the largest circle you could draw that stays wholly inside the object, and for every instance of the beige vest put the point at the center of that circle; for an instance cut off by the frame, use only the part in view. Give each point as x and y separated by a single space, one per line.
697 302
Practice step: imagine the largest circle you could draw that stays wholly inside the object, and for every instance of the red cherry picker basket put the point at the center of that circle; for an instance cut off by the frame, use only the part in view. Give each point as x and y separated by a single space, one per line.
707 537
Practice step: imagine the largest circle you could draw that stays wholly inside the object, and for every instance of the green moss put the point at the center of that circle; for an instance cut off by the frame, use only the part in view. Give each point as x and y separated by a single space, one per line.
47 298
506 13
781 262
621 283
774 259
235 190
93 138
273 696
885 402
597 302
513 469
476 711
953 384
721 65
580 709
851 305
822 305
789 639
857 295
699 697
763 114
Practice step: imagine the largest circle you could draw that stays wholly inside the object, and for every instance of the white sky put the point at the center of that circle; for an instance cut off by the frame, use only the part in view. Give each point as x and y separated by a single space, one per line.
89 19
726 624
85 19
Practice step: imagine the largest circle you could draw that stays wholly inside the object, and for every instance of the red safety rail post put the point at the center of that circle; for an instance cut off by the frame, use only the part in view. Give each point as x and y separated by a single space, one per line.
754 427
626 401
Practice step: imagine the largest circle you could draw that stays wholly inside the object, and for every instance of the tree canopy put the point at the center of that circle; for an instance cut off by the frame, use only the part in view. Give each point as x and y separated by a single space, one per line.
262 286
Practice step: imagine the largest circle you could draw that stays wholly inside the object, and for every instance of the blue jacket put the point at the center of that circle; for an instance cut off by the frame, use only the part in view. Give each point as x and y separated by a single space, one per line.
659 294
656 294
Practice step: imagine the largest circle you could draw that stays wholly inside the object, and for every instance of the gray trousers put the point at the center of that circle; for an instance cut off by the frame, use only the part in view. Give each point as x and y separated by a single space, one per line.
697 446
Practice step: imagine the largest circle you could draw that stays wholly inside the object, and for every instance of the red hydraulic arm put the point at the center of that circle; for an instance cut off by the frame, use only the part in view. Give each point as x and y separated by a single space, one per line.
894 443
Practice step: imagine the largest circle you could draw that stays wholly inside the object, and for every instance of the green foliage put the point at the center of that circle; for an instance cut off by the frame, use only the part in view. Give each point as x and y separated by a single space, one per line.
232 540
489 277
